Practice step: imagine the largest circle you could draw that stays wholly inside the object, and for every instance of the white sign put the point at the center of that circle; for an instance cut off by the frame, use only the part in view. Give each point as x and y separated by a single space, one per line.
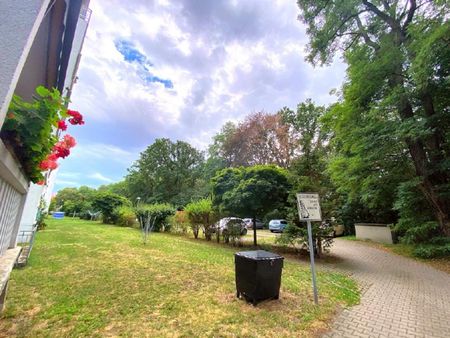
309 207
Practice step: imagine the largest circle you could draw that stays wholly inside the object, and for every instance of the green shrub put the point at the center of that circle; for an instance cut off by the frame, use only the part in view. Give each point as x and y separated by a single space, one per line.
416 233
106 203
297 237
85 215
414 224
440 241
125 216
233 233
432 251
156 214
200 214
179 223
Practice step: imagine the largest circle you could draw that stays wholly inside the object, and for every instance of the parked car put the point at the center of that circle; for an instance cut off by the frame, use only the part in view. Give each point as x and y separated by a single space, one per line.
249 223
277 225
227 222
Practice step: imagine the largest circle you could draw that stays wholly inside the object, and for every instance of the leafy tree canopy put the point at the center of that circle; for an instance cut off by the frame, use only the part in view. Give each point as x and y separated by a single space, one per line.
166 172
107 202
251 191
393 123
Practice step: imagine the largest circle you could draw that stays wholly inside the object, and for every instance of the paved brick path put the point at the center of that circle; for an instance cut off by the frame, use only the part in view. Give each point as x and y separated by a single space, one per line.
400 297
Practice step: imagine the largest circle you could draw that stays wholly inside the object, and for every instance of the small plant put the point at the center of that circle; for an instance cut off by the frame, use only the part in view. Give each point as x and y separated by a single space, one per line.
179 223
297 237
233 233
41 214
125 216
34 132
153 217
200 215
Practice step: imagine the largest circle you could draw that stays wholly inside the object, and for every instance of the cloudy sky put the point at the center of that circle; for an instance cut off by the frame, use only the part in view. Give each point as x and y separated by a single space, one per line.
181 69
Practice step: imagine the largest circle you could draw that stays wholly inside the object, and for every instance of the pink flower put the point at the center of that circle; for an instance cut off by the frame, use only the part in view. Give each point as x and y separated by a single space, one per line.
41 182
69 141
48 165
53 157
60 150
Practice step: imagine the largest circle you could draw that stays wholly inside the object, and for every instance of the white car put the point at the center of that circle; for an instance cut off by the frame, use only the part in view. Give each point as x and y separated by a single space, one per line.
249 223
226 222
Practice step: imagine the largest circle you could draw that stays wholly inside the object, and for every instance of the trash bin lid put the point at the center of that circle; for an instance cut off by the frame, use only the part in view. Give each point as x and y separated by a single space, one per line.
258 255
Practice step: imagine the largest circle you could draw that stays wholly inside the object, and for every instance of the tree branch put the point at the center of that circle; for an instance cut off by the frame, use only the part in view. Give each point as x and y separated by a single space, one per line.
336 32
385 17
352 42
412 10
386 5
365 36
317 12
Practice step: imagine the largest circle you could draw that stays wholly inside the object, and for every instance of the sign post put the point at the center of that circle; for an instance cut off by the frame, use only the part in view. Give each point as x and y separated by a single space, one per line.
309 210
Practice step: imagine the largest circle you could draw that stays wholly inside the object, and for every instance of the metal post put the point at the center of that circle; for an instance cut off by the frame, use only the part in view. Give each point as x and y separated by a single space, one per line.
255 243
313 268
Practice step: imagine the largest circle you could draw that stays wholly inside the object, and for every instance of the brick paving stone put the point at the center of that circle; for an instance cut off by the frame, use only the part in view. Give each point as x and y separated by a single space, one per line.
400 297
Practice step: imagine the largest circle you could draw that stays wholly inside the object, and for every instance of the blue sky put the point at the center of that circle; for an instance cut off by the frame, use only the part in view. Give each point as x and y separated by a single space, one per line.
181 69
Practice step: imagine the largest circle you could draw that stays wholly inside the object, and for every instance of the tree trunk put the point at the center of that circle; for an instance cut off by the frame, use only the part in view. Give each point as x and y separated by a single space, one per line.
426 161
430 181
319 246
195 230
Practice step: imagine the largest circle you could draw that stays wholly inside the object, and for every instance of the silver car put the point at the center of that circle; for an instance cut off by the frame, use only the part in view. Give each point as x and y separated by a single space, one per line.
277 225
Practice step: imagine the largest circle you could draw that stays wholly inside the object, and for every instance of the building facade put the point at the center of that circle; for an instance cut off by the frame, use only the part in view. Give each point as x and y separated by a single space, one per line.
40 43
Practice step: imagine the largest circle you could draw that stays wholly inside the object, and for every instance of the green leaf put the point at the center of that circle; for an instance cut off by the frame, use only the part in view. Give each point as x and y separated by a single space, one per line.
42 91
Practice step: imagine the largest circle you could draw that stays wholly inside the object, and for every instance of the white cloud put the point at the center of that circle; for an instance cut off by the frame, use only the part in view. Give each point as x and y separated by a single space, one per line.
102 152
68 174
225 60
100 177
66 183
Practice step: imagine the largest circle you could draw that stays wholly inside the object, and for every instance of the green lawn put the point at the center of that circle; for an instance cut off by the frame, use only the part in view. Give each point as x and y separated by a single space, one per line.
89 279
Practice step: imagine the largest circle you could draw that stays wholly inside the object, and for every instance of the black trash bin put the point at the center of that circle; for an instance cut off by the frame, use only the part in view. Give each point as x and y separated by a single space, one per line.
258 275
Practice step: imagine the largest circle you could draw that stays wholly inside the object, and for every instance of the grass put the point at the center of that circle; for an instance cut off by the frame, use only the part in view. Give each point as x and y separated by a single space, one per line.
264 236
406 250
89 279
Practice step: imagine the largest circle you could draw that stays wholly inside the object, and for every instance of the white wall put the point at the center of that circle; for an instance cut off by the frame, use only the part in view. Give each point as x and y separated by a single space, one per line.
375 232
31 207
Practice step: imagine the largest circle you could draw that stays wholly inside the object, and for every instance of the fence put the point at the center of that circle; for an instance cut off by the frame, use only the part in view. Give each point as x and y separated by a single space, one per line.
13 189
10 200
26 240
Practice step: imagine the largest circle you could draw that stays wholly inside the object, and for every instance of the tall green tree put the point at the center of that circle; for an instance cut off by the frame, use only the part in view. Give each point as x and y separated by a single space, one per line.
166 172
398 70
120 188
219 151
75 200
309 167
250 191
201 214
